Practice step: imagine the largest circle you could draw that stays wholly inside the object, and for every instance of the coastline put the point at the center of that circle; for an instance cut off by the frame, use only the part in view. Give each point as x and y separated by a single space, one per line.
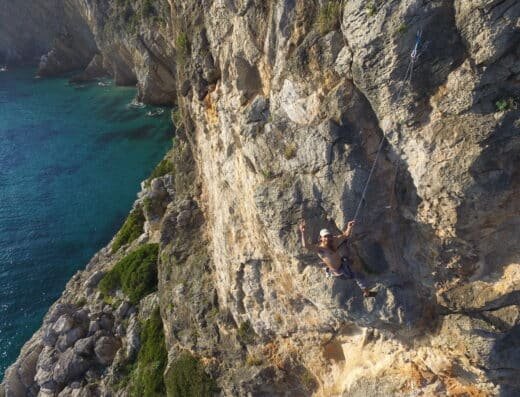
64 234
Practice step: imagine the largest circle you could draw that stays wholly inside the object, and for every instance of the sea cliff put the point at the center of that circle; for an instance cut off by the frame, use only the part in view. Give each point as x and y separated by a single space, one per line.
281 106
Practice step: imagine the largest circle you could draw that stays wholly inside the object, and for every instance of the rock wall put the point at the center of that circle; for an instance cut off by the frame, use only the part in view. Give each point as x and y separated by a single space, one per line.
282 106
54 30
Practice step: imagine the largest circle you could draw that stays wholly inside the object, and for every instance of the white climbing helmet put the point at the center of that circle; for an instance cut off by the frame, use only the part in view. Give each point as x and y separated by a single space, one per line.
325 232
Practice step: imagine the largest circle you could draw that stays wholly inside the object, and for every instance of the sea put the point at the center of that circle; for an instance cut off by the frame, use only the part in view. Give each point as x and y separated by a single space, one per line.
71 161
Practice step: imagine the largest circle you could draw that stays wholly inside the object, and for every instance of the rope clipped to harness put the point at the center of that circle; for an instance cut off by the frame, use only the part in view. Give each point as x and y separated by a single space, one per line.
414 55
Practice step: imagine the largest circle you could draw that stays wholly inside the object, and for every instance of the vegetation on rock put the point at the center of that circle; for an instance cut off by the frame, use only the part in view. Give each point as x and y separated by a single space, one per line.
371 9
182 47
186 377
328 16
128 15
290 151
131 229
402 28
246 333
147 375
505 104
163 168
136 274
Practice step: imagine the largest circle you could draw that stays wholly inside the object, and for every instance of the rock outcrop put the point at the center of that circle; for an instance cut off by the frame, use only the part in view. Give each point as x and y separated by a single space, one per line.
282 106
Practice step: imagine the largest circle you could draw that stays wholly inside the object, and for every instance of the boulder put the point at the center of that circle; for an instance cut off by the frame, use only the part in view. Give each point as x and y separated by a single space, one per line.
94 279
184 217
70 367
93 327
105 349
85 347
122 309
132 337
106 321
63 324
67 340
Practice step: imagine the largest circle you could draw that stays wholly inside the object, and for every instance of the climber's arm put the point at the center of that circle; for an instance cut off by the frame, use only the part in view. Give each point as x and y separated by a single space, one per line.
348 229
305 243
347 232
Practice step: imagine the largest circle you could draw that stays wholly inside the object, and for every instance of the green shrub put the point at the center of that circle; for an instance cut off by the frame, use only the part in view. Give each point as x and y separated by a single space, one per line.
147 375
147 9
131 229
135 274
290 151
371 9
328 16
402 28
246 334
267 174
181 46
163 168
505 104
186 378
110 282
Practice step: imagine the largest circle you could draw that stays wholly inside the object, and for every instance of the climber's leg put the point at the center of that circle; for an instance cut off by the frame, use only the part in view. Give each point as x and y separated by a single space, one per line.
346 272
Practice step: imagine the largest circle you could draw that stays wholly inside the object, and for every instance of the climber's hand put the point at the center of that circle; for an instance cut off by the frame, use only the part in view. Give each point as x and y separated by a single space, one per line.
302 226
350 225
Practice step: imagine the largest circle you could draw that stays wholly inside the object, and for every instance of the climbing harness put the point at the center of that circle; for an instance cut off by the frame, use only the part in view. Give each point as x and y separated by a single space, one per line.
414 56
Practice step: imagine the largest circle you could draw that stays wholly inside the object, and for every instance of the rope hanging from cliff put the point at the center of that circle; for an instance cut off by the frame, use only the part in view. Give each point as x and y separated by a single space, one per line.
414 55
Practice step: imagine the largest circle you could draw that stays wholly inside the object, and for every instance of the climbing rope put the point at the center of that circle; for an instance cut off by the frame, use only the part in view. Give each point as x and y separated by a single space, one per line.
406 79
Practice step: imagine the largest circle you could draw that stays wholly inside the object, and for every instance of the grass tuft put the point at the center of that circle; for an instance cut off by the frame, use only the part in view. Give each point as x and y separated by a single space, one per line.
253 360
328 16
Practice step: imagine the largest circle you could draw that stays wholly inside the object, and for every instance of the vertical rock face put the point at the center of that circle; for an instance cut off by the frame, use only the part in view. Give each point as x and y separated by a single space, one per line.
290 130
68 35
56 29
132 38
282 106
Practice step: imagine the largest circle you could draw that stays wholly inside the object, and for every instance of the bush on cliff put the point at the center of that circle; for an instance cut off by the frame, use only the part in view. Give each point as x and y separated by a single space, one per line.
163 168
147 375
131 229
135 274
186 377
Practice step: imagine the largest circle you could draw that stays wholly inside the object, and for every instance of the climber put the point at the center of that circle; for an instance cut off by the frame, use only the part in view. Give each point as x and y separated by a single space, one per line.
328 249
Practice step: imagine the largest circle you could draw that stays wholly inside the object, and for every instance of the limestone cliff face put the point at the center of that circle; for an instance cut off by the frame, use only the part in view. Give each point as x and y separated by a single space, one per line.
282 105
132 38
127 40
54 29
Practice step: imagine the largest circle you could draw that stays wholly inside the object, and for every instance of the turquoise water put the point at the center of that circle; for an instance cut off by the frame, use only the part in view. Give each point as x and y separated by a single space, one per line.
71 160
